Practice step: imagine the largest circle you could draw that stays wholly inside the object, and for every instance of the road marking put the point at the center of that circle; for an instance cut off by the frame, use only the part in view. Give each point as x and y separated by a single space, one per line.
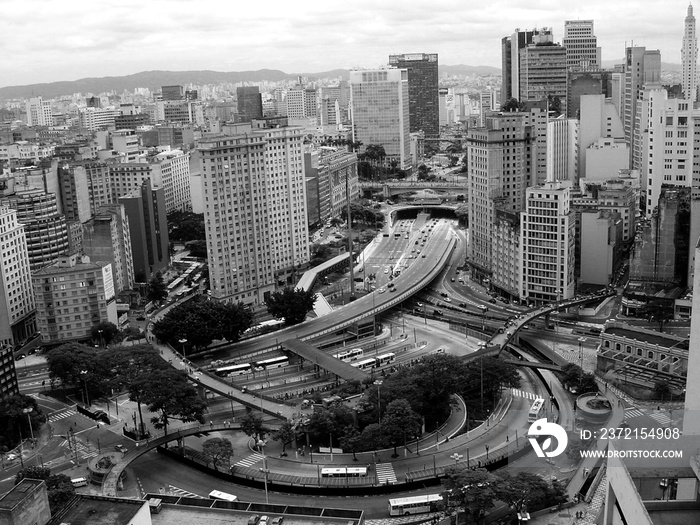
250 460
385 473
631 413
61 414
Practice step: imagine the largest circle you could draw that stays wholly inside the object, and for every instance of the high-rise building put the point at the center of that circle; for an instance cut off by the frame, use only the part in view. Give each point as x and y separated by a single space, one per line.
301 103
510 63
39 112
94 119
689 58
148 229
547 244
106 237
255 211
249 103
543 70
499 168
44 227
9 385
562 150
599 119
422 90
582 51
380 116
16 295
92 298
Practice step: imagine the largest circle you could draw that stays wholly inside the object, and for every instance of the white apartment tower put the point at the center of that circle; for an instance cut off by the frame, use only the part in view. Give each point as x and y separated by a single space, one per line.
39 112
255 211
380 113
689 58
547 244
16 293
582 51
562 149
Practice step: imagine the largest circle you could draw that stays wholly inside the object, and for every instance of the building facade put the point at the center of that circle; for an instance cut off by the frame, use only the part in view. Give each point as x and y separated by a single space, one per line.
422 90
510 63
543 70
582 51
73 295
39 112
689 58
249 102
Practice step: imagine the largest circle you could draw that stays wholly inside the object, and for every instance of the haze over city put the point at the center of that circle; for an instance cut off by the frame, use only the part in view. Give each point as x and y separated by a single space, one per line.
50 41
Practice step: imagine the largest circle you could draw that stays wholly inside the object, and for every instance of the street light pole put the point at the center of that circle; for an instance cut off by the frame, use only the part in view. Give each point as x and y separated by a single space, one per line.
264 470
379 382
581 340
83 374
182 342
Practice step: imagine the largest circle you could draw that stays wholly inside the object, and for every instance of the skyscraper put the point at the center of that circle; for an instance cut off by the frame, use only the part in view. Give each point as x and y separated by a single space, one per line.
543 70
249 103
255 210
39 112
380 115
422 90
689 58
510 63
582 51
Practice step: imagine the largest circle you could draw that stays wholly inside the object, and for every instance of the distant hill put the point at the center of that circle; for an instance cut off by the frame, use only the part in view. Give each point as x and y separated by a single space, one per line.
155 79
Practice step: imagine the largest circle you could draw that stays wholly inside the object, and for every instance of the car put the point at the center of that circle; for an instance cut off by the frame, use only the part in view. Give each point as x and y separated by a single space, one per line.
492 300
254 519
483 308
423 256
420 305
392 289
463 305
443 294
11 457
381 290
19 357
453 279
101 415
386 270
448 300
264 520
277 520
121 448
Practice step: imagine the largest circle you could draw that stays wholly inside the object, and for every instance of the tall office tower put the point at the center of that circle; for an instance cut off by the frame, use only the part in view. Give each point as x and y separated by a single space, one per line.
39 112
547 244
379 100
582 51
537 118
106 237
499 168
172 93
148 229
249 103
641 67
44 227
581 83
169 170
422 90
543 70
92 299
255 211
562 150
510 63
488 102
16 294
689 58
669 126
301 103
75 194
9 386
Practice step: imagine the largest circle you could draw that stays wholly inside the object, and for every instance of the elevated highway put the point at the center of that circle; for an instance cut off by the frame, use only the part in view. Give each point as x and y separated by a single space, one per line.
395 188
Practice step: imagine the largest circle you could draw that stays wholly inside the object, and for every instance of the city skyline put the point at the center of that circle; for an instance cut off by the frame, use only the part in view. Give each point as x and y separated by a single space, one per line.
107 39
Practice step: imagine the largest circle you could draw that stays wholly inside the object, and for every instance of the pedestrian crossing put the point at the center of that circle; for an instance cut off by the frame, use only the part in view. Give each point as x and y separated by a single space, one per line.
633 412
249 461
661 417
523 393
176 491
61 414
385 473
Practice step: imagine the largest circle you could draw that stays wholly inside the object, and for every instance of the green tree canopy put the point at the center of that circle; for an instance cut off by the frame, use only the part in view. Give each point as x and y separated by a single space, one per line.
184 226
285 434
328 423
526 490
105 333
172 396
197 248
217 450
400 423
291 304
252 426
157 289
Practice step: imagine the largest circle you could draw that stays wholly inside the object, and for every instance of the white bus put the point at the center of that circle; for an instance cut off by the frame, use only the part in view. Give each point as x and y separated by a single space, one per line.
343 472
414 504
217 494
385 358
233 370
536 411
365 363
350 355
273 362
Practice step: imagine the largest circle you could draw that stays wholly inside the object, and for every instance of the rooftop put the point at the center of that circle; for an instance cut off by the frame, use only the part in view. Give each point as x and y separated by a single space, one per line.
18 493
99 510
660 339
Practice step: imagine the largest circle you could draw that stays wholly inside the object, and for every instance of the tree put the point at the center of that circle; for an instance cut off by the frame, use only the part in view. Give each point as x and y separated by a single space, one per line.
510 105
67 362
471 490
659 311
252 426
285 434
462 212
399 422
157 290
197 248
184 226
350 439
371 437
217 450
172 396
105 333
60 491
14 423
328 423
32 472
291 304
528 490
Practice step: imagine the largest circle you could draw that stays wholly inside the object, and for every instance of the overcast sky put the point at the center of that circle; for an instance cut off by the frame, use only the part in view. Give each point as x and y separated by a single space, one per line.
51 40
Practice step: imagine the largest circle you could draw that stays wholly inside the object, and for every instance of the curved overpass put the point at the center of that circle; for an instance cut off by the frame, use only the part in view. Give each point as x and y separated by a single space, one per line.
419 274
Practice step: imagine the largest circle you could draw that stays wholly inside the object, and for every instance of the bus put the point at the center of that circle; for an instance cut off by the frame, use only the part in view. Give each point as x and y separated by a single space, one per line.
365 363
217 494
414 504
273 362
233 370
536 411
350 355
343 472
385 358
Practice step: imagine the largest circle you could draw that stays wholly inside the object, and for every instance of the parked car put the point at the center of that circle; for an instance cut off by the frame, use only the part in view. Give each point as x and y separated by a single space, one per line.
264 520
121 448
253 520
101 415
277 520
